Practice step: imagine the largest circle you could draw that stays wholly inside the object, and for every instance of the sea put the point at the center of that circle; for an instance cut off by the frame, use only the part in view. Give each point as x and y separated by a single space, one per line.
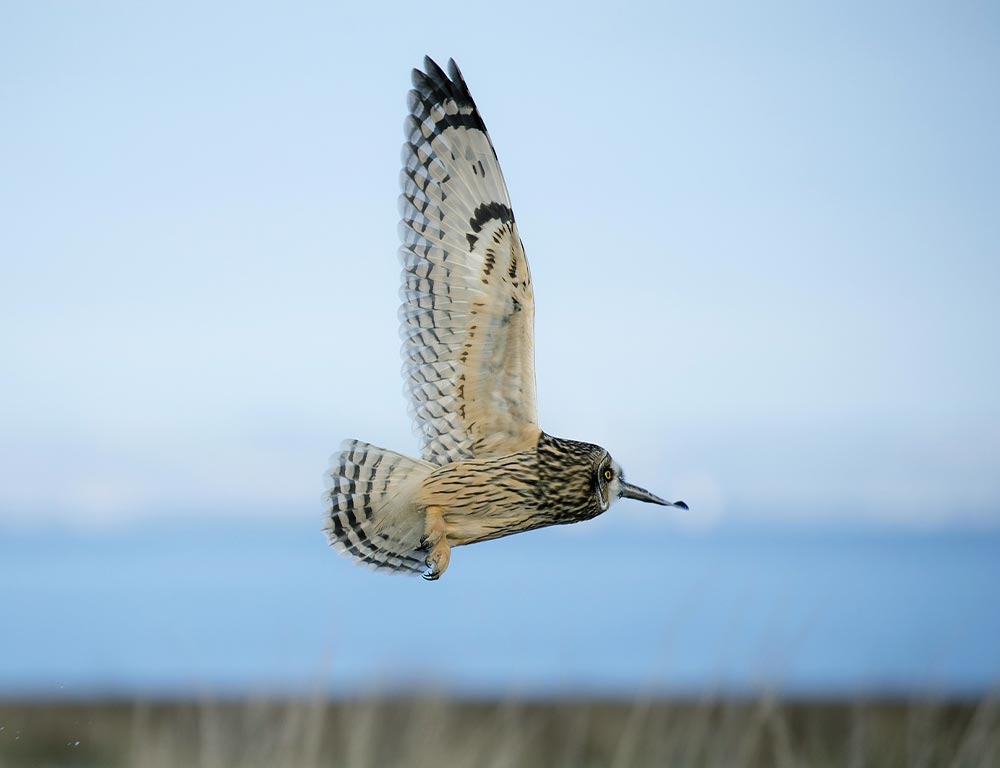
210 606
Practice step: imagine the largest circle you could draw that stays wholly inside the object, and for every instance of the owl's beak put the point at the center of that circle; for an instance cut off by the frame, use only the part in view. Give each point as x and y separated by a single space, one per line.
630 491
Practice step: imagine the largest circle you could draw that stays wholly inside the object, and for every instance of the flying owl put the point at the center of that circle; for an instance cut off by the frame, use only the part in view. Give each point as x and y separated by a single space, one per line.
466 321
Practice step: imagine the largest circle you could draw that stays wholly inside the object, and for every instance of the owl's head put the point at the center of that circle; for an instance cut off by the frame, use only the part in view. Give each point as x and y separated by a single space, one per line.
581 480
609 485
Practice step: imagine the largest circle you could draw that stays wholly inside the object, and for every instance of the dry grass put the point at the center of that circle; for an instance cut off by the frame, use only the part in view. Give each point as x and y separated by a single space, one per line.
424 732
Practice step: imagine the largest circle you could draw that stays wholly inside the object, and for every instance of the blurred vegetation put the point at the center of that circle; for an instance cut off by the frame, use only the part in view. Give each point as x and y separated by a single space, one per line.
571 733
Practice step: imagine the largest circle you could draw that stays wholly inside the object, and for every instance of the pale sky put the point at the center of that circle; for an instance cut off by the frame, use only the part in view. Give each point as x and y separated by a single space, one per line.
765 242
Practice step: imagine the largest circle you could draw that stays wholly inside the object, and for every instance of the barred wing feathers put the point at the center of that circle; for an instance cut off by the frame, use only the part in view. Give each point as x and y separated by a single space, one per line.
467 315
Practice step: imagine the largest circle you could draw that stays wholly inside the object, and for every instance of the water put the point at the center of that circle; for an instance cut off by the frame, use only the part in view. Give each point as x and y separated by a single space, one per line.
217 607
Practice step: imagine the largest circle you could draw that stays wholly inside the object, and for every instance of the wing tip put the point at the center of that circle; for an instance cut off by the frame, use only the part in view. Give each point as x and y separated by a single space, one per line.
434 82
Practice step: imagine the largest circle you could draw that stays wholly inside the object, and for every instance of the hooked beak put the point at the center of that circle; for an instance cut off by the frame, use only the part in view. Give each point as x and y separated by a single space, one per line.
630 491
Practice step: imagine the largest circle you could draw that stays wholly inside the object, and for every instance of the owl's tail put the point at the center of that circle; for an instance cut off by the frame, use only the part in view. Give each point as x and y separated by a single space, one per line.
370 513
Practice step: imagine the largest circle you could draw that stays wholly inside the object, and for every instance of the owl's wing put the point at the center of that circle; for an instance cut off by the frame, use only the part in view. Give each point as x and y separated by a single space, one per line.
467 316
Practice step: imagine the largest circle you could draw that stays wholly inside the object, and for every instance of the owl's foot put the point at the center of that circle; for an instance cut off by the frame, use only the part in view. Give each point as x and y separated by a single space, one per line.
440 554
438 560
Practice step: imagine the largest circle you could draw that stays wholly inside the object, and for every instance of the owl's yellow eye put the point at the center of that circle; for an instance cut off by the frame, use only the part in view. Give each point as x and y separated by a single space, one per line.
607 474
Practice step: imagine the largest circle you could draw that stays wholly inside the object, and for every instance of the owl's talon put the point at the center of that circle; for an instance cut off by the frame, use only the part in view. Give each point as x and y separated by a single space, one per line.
431 575
437 561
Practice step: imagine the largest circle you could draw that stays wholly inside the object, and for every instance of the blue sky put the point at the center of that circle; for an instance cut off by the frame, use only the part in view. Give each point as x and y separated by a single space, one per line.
765 243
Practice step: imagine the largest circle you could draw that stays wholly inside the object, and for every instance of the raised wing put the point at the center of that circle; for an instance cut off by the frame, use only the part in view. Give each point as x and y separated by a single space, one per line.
468 312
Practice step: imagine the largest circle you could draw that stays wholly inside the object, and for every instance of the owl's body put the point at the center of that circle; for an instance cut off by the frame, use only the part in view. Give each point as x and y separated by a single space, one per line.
467 319
484 499
386 504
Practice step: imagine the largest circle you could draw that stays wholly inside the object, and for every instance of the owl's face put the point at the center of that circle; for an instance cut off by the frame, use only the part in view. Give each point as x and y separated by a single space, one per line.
608 481
609 485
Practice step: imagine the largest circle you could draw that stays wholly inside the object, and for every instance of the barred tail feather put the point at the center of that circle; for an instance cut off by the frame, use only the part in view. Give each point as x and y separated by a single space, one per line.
370 513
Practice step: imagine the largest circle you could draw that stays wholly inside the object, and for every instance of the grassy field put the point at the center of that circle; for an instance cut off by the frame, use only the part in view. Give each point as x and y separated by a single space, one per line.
418 732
